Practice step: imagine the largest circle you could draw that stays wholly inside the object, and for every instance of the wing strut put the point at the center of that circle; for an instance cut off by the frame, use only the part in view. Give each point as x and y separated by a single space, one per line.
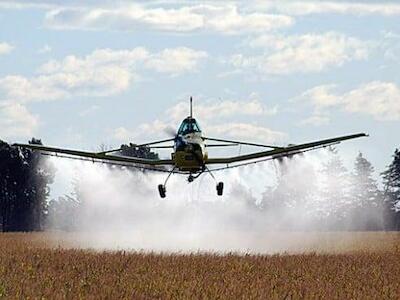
242 143
142 145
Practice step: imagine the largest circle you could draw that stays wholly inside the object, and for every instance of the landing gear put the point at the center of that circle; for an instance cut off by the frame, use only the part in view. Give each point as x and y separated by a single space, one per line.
220 185
191 178
162 190
220 188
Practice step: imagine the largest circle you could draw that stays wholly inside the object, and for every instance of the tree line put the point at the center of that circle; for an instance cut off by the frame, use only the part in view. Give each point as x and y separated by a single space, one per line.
25 182
334 198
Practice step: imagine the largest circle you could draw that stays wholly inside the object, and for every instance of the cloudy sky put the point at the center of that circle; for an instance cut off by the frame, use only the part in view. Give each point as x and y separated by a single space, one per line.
106 72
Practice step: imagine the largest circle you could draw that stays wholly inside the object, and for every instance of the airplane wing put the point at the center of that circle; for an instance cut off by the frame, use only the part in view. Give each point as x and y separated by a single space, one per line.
278 152
98 156
144 145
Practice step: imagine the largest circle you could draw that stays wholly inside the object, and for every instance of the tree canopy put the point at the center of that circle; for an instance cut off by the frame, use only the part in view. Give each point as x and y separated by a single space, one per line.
25 179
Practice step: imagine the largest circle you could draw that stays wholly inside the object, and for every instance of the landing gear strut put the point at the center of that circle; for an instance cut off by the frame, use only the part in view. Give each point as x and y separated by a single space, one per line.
162 190
220 185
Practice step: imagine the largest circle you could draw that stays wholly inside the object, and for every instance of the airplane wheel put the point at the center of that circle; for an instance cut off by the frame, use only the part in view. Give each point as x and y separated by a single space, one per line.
220 188
162 190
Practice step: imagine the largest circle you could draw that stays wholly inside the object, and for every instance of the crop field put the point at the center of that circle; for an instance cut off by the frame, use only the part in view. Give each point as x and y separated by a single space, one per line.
333 265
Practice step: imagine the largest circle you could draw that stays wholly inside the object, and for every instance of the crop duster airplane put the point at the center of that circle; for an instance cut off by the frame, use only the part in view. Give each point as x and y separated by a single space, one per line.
190 155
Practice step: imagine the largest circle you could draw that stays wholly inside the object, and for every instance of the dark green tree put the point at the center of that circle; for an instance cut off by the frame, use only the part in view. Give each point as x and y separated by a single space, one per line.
24 188
335 194
135 151
10 166
391 182
63 213
367 200
41 176
291 196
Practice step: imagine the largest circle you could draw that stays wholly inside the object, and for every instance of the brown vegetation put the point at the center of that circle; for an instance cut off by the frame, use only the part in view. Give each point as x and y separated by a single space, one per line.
30 268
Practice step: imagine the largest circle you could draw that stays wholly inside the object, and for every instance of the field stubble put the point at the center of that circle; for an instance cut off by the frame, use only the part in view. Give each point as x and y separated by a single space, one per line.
329 265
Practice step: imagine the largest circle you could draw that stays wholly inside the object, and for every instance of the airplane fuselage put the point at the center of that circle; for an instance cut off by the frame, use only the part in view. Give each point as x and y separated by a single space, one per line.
190 152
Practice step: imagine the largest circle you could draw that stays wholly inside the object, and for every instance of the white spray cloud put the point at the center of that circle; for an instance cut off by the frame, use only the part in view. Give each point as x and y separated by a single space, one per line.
122 210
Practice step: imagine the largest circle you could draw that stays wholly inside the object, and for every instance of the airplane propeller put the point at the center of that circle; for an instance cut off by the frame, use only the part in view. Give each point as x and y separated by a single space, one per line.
170 131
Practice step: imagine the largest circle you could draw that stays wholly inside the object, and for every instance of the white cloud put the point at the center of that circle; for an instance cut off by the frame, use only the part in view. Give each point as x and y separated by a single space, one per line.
175 61
5 48
301 53
160 12
103 72
247 131
102 81
321 96
122 134
146 131
299 8
22 4
221 18
16 121
217 109
316 120
391 45
98 58
157 126
381 100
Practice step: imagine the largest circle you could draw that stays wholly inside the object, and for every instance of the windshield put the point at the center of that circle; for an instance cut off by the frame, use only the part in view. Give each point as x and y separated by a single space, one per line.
189 125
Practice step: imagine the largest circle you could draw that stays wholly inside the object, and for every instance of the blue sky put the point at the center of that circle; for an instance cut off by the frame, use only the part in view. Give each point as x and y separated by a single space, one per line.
79 75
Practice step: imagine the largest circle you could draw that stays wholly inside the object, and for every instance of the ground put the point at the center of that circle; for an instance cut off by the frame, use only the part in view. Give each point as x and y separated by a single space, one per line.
333 265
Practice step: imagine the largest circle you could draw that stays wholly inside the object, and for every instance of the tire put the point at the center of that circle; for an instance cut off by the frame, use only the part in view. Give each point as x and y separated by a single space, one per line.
162 191
220 188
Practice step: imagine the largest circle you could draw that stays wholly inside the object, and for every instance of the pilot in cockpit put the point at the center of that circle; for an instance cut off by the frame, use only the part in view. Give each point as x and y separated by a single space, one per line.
189 125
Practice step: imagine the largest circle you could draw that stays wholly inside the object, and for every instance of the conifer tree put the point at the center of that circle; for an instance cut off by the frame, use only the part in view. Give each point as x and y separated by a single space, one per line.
365 197
391 182
291 195
335 194
24 188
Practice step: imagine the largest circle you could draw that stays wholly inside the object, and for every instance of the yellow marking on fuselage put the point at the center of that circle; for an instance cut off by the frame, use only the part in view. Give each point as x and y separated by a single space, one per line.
187 160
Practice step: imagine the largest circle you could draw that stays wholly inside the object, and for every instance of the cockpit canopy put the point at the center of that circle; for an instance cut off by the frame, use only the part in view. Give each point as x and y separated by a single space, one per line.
189 125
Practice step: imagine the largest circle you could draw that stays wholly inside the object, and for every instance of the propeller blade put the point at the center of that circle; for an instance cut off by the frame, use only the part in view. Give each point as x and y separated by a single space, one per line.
170 131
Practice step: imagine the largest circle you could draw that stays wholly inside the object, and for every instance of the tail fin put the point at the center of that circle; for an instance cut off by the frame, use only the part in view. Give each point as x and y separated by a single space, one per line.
191 107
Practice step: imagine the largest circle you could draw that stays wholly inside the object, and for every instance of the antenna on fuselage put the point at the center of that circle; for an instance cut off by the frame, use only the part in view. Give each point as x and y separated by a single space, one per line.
191 107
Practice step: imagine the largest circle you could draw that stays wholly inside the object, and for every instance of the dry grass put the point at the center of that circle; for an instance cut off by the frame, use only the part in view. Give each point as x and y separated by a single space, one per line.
368 268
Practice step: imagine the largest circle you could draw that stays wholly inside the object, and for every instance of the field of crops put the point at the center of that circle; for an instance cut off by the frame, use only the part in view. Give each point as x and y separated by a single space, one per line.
360 265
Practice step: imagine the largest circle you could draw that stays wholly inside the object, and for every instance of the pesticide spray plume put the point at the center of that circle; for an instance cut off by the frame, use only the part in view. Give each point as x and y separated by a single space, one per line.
121 209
